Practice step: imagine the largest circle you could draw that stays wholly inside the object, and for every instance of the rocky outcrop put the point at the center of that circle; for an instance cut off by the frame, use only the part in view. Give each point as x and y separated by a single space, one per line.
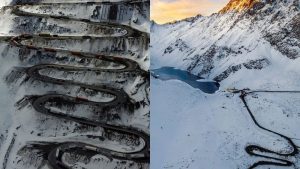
219 45
239 5
178 44
287 39
252 64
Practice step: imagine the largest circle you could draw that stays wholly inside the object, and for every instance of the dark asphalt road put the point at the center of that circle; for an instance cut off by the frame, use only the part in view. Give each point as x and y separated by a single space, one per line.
259 151
121 98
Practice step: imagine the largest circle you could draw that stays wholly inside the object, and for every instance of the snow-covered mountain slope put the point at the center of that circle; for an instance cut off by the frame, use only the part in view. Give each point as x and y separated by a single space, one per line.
246 45
194 130
239 5
74 84
233 47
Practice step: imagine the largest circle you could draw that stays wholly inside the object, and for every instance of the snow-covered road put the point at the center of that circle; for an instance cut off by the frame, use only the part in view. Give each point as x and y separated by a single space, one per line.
121 102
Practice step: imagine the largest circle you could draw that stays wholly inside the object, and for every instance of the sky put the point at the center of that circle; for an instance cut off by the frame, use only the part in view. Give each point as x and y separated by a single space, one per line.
163 11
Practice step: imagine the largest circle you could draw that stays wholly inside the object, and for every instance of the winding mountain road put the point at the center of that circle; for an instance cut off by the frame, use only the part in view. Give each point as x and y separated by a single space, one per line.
120 97
259 151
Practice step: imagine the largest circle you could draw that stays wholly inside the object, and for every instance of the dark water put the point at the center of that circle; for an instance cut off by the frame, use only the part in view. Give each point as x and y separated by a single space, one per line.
168 73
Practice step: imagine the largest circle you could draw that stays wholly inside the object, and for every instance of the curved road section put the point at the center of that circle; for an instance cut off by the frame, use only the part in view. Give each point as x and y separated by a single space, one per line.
259 151
120 97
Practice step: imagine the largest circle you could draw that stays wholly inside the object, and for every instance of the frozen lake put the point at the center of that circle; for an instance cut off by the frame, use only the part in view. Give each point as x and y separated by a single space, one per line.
169 73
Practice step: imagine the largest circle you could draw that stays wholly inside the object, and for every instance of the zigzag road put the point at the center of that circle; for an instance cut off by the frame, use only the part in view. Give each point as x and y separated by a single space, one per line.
120 97
258 151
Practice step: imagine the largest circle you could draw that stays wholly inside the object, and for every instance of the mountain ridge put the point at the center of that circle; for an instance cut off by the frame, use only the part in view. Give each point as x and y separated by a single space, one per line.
221 45
239 5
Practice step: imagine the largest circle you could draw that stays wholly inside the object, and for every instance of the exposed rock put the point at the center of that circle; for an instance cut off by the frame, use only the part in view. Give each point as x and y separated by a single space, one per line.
210 46
287 39
252 64
227 72
239 5
178 44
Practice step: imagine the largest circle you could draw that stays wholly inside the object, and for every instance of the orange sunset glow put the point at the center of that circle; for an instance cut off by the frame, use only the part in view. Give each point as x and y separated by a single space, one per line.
163 11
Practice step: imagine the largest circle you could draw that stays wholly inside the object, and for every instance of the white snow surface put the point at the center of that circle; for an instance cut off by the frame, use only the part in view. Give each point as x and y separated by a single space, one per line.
191 129
209 45
26 125
194 130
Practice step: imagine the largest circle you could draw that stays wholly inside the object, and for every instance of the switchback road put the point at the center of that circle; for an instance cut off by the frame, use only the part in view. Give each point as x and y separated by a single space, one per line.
120 97
259 151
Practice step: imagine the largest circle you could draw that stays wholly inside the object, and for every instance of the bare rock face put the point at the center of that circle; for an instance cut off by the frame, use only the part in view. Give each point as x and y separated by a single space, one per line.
245 36
239 5
287 39
252 64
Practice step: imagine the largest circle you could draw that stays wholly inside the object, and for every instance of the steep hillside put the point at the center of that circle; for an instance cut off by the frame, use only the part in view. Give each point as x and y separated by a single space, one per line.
253 49
74 84
239 5
228 45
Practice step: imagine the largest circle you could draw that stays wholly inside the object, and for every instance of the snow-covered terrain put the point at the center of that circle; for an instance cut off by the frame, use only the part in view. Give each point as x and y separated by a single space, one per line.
255 47
223 45
74 84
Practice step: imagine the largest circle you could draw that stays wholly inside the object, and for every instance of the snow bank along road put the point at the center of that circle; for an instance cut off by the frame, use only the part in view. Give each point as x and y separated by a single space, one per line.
120 97
258 151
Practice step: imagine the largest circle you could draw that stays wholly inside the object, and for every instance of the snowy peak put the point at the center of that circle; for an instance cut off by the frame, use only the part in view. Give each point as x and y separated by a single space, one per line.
239 5
192 19
189 19
221 46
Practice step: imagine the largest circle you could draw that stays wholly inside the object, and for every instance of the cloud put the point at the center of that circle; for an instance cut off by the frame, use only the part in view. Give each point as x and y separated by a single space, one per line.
163 11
